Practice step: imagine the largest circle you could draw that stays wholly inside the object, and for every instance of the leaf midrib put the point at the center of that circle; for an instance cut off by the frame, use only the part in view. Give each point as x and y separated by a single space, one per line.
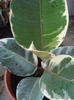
20 56
41 27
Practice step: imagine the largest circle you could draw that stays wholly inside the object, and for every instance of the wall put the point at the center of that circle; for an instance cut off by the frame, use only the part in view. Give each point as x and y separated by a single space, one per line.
71 7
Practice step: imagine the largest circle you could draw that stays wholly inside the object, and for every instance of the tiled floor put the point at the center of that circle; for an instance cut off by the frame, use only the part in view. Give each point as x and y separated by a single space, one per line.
4 95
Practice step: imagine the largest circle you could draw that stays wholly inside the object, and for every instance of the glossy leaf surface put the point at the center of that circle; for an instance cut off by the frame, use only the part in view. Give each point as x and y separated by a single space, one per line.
43 22
44 55
28 89
66 50
57 82
19 61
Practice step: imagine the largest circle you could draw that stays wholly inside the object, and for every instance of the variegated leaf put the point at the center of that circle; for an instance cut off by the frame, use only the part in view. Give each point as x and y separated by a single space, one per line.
57 82
16 59
43 22
44 55
28 89
66 50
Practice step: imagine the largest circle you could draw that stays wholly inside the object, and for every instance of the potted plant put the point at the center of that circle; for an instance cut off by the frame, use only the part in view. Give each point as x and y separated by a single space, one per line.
43 24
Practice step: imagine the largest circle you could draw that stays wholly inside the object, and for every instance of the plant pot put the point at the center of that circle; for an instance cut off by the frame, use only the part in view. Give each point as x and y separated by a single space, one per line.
7 82
10 80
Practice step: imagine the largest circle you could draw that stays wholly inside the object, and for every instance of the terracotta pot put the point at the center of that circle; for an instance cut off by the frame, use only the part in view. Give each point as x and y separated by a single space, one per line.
7 82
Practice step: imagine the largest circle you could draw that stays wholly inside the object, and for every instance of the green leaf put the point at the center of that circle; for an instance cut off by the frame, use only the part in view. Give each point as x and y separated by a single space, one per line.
28 89
43 22
44 55
16 59
57 82
67 50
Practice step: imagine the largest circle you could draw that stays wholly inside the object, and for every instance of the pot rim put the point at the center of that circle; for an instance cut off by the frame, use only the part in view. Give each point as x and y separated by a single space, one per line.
7 82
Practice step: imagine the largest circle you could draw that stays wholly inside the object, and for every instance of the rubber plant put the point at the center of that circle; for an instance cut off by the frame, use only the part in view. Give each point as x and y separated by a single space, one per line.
39 27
